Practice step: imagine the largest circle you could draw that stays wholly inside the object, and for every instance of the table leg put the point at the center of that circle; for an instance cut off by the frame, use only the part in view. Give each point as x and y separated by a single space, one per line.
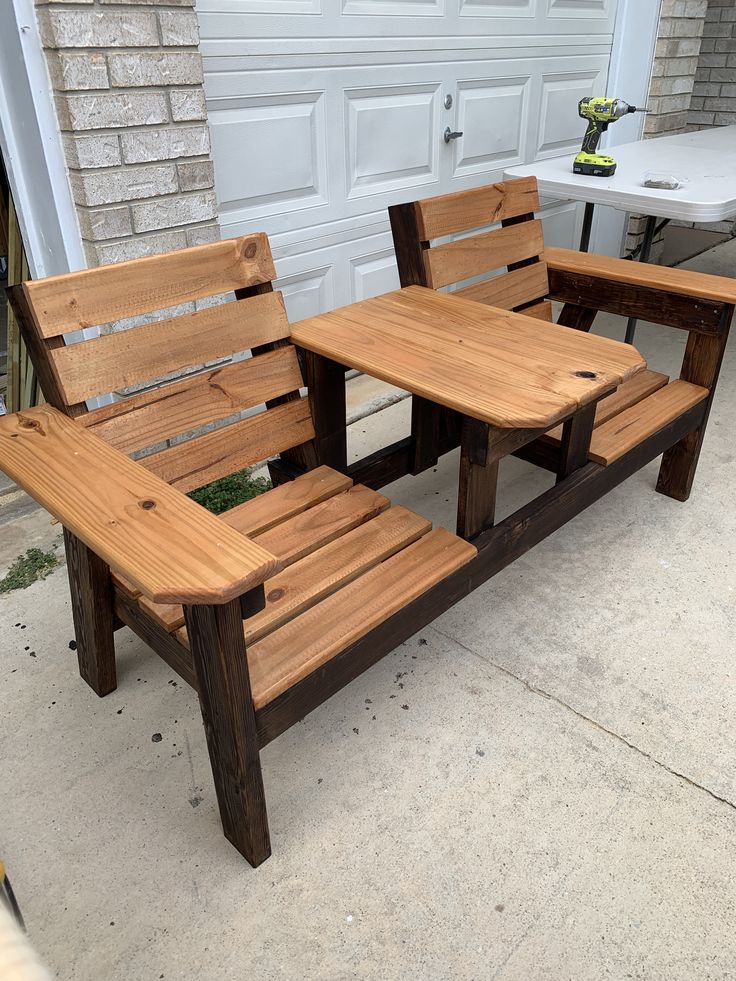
587 226
646 248
326 384
476 499
576 433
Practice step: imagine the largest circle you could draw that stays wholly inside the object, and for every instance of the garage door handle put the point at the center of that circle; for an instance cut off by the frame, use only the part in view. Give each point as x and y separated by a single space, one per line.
449 135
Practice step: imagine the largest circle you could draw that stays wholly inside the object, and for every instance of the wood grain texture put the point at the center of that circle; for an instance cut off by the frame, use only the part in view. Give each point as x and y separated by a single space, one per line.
139 354
92 612
463 210
701 365
632 426
126 289
287 655
143 420
476 496
508 540
635 301
645 274
218 651
540 311
575 442
286 501
502 368
199 461
510 289
304 533
478 254
166 545
324 572
631 392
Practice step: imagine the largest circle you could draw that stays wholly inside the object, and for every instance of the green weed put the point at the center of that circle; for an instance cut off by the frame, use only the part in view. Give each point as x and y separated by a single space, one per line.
225 493
28 568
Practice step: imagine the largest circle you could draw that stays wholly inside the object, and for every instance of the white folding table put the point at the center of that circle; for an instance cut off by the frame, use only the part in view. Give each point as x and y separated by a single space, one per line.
704 161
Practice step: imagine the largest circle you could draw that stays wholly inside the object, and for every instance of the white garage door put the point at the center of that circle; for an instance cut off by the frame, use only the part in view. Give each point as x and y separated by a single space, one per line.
324 112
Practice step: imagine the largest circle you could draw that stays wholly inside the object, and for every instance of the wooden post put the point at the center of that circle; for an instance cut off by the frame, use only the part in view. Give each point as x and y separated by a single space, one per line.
217 643
476 498
701 366
93 613
326 384
576 433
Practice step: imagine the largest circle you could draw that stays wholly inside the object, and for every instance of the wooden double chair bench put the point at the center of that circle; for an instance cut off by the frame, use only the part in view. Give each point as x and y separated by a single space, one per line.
270 608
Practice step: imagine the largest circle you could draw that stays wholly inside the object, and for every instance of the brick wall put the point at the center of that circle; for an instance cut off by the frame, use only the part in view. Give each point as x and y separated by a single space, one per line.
714 94
127 79
676 60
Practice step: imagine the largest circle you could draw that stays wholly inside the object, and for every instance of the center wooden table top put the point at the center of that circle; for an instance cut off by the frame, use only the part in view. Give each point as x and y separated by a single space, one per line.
503 368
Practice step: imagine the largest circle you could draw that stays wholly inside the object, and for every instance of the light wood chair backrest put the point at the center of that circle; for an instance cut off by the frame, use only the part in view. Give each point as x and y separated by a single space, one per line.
516 247
161 413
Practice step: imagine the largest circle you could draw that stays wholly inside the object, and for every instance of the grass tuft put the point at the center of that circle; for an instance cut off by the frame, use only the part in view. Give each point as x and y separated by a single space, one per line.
28 568
225 493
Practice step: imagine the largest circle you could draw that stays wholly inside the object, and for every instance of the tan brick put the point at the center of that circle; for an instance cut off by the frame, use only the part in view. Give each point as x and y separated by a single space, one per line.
109 187
70 72
165 144
136 248
155 68
97 224
178 29
97 29
110 110
187 104
196 175
202 234
85 152
181 210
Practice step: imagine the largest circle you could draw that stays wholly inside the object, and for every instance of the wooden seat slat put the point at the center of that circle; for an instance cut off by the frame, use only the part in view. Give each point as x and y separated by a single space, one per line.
540 311
463 210
510 289
477 254
629 428
284 657
310 530
258 515
101 295
287 500
330 568
632 391
141 354
150 417
201 460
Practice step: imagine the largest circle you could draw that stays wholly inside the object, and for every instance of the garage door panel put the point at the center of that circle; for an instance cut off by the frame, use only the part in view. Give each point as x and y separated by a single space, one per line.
374 274
493 116
254 176
392 136
561 129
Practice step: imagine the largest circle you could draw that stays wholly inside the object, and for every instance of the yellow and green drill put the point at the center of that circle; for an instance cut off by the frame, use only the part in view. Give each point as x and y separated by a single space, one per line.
600 111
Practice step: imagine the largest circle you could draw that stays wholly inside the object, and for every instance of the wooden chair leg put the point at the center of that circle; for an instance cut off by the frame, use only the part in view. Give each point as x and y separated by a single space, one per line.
476 500
217 642
701 366
93 614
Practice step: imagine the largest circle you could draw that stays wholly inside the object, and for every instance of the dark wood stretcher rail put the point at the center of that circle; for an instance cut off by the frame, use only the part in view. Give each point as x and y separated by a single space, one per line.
274 606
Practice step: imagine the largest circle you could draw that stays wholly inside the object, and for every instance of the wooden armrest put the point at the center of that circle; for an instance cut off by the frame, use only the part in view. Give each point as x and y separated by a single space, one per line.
171 548
681 281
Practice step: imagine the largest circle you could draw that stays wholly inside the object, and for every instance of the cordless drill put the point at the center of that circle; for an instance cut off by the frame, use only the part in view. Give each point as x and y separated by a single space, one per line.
599 110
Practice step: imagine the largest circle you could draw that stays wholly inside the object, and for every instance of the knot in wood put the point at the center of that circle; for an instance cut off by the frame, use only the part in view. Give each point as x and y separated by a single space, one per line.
148 505
251 250
585 374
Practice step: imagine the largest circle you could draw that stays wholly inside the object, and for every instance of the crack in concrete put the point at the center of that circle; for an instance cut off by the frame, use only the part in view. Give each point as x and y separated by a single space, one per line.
609 732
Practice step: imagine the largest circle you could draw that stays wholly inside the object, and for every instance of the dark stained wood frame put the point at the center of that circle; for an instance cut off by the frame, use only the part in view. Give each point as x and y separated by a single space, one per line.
216 666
